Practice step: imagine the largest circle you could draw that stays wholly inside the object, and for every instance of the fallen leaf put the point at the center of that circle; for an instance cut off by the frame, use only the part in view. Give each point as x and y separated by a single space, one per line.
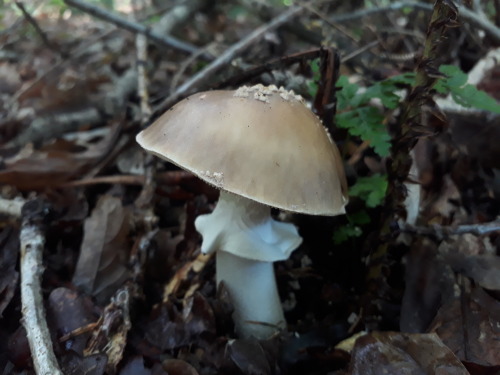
394 353
483 269
178 367
102 265
171 328
68 311
74 364
249 356
470 326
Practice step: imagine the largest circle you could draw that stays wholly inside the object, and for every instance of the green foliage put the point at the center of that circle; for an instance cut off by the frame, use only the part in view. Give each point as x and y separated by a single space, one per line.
363 120
467 95
360 118
313 84
371 189
352 228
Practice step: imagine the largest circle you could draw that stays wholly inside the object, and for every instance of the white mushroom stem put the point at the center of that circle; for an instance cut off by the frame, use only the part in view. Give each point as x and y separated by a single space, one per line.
247 241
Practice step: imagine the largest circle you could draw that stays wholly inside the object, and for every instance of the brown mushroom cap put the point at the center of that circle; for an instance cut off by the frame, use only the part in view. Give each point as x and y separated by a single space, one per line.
259 142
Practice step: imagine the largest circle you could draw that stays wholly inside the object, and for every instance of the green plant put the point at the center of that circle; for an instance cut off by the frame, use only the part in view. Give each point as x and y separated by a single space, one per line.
360 117
467 95
372 191
357 114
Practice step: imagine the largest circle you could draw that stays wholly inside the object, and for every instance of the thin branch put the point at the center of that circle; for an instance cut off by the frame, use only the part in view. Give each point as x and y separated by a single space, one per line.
164 178
37 28
441 231
465 14
134 27
32 244
226 57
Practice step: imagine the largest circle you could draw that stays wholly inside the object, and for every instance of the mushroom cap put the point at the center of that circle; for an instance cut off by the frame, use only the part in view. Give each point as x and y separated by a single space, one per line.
259 142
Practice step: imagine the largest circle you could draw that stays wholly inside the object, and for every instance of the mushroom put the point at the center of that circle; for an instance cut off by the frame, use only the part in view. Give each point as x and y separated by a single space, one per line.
262 147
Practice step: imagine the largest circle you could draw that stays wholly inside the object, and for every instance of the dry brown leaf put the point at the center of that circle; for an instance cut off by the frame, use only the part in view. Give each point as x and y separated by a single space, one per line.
394 353
483 269
68 311
171 328
178 367
102 265
249 356
470 327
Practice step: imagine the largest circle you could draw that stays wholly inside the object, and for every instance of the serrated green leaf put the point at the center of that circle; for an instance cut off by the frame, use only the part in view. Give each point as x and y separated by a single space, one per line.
346 93
455 76
367 123
470 96
371 189
344 232
462 93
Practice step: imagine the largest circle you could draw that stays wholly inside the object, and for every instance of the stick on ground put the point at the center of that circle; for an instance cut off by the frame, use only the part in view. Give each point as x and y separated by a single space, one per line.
32 243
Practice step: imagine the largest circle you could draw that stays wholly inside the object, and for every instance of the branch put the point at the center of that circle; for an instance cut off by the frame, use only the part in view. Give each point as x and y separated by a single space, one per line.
226 57
47 127
32 243
37 28
465 14
441 231
134 27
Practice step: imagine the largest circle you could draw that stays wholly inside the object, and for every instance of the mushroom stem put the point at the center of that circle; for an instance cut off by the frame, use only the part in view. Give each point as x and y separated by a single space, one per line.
247 241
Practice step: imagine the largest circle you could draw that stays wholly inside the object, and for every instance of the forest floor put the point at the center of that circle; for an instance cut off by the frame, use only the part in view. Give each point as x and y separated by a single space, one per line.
396 286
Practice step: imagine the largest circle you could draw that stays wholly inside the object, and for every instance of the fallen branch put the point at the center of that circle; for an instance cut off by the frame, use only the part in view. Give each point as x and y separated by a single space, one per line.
164 178
441 231
226 58
465 14
45 128
37 28
134 27
32 243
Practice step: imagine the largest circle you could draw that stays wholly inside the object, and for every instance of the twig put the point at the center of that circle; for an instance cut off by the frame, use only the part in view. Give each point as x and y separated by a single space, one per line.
32 243
47 127
278 63
134 27
178 15
226 57
37 27
182 68
465 14
165 178
142 79
441 231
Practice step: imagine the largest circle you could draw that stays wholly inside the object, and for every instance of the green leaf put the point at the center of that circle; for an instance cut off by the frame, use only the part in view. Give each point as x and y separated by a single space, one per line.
344 232
454 76
455 83
346 93
313 84
367 123
371 189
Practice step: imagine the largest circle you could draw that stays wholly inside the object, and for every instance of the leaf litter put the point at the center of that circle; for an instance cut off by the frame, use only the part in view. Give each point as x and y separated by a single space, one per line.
116 308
